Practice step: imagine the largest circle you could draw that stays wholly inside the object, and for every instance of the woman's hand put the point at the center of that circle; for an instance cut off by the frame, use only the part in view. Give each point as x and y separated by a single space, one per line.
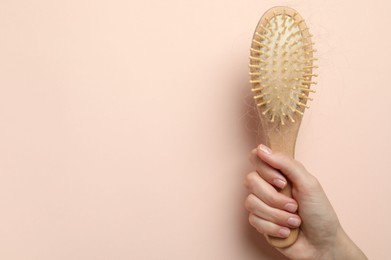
272 213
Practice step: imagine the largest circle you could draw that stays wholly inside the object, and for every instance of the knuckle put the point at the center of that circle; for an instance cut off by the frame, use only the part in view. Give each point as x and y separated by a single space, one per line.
253 175
277 217
260 229
250 179
249 203
270 229
271 199
251 219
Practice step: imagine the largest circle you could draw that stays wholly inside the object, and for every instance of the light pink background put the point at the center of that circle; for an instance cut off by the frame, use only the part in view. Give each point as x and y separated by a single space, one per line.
124 130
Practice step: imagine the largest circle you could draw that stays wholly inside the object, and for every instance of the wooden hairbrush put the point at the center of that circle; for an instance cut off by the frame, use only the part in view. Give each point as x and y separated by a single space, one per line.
281 72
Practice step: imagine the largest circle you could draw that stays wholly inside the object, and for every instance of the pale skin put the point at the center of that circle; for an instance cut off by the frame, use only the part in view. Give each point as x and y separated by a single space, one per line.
272 213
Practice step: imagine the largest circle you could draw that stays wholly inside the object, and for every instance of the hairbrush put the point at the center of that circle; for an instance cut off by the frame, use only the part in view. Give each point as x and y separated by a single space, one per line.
281 74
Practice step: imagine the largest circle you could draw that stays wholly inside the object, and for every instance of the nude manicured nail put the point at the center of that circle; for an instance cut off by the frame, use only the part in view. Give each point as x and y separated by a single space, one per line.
294 222
265 149
284 232
291 207
279 183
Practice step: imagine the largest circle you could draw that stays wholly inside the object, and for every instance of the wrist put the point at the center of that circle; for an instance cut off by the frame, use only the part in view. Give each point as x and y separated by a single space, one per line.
344 248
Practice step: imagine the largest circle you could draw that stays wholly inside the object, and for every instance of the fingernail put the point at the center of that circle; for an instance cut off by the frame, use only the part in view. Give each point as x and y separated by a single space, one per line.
291 207
294 222
284 232
279 183
265 149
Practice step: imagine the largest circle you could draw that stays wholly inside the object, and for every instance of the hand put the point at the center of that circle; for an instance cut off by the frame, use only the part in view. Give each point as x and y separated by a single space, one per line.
272 213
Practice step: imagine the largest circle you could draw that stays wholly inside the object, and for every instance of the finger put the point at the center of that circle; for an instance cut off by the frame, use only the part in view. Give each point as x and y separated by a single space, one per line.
268 194
268 228
291 168
280 217
268 173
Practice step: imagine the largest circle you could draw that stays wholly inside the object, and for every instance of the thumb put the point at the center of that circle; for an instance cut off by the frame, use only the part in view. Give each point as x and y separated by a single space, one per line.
288 166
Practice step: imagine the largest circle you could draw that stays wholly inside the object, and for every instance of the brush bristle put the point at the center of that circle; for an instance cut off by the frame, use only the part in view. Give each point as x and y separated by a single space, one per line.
281 64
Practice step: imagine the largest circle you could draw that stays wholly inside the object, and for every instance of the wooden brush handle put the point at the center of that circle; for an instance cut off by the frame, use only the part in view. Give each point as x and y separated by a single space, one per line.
291 239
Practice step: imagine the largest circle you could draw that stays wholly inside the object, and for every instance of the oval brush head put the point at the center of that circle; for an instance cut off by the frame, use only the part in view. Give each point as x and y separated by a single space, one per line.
281 64
281 71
